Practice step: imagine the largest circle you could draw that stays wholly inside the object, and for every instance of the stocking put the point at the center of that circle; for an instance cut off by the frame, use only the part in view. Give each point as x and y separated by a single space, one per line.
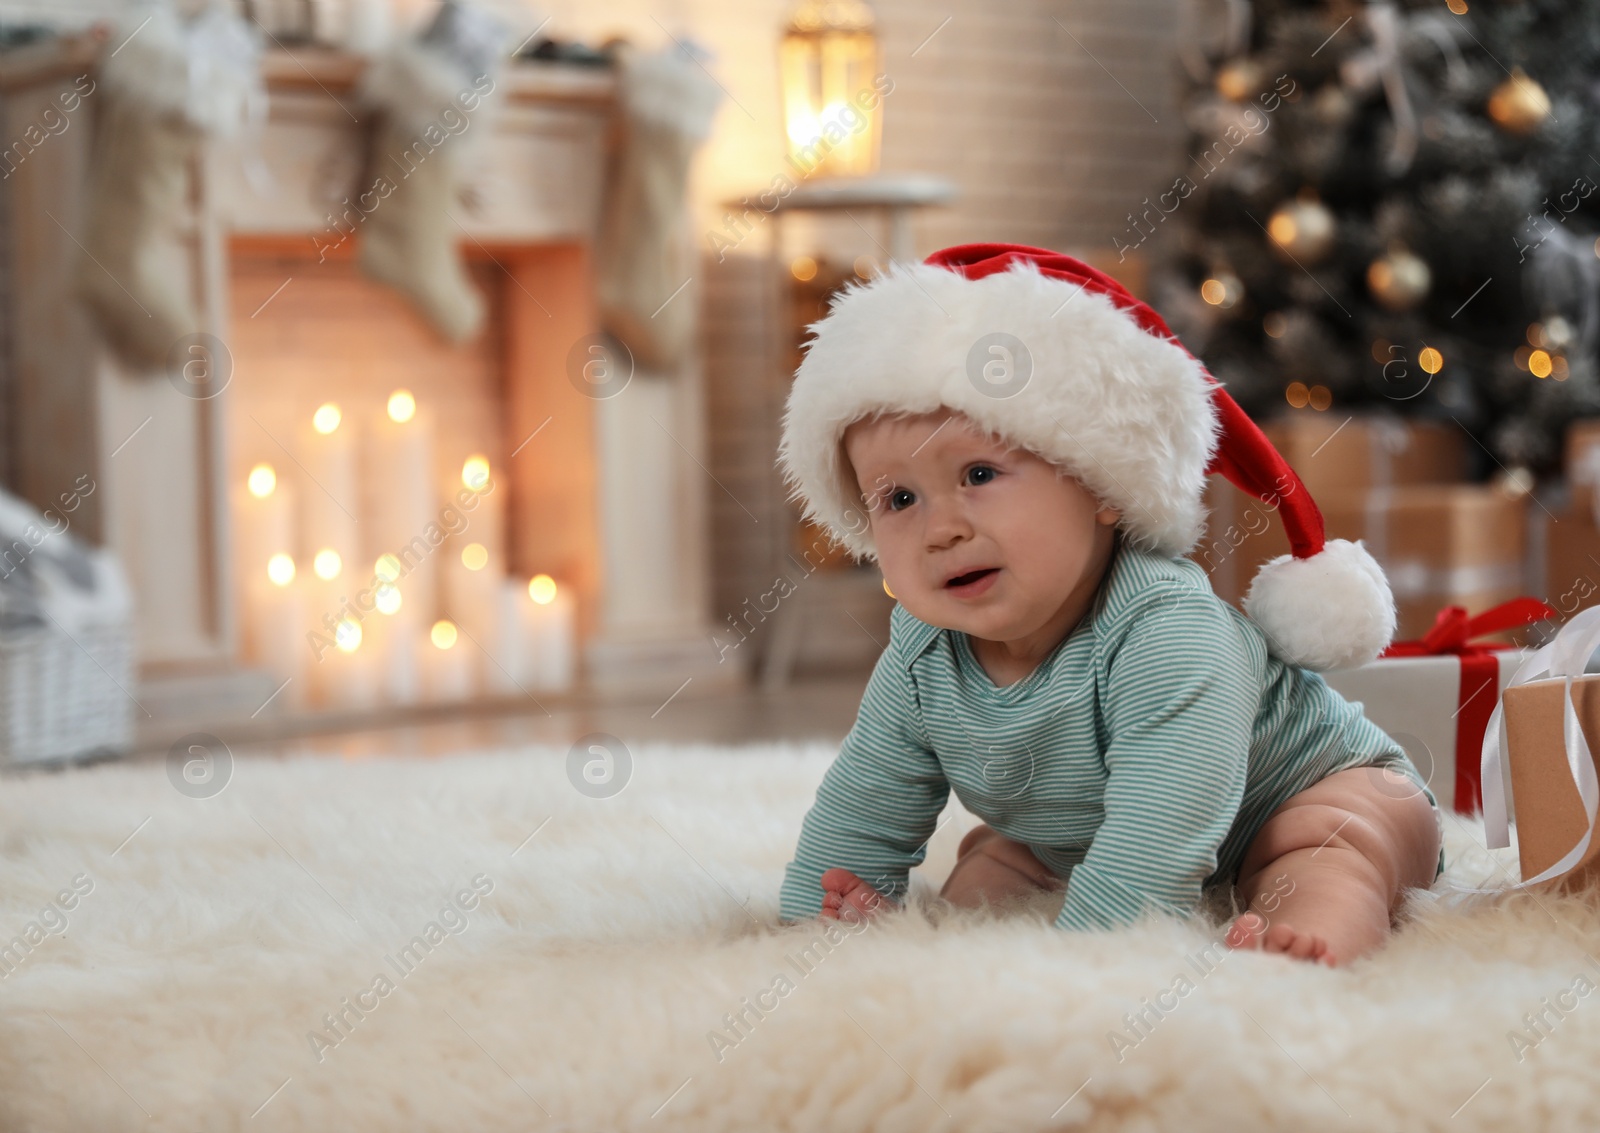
409 241
645 254
430 94
168 84
136 271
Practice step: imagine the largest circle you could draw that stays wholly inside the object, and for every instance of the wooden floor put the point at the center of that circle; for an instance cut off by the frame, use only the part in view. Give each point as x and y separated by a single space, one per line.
814 707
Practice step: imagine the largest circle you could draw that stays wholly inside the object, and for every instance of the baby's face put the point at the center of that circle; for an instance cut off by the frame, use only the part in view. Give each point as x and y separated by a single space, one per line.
972 535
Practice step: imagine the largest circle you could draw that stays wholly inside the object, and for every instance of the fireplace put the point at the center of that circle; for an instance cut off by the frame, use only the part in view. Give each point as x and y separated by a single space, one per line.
603 495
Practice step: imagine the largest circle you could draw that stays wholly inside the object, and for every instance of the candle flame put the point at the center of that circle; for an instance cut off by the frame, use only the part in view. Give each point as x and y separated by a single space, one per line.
326 419
280 569
475 472
262 481
347 636
402 406
327 564
542 589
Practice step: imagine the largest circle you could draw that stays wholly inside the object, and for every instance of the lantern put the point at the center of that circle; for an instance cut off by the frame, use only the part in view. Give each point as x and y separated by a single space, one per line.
832 109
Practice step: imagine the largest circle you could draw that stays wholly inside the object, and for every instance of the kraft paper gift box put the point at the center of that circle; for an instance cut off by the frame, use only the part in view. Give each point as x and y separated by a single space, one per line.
1581 465
1439 544
1329 454
1435 695
1338 452
1550 815
1570 556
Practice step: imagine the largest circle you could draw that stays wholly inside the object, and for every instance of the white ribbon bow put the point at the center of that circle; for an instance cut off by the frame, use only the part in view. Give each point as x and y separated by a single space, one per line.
1563 657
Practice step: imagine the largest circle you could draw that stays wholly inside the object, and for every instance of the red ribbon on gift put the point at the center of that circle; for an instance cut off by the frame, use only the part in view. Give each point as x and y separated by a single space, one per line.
1452 633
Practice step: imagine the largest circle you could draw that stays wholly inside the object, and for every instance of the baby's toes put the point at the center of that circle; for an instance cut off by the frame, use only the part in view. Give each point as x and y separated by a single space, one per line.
1246 931
1280 938
1307 946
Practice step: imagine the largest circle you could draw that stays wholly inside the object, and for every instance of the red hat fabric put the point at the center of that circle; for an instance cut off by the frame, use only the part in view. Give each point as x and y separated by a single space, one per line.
1149 422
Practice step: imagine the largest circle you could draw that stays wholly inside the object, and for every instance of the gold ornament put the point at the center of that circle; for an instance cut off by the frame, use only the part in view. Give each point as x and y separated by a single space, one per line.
1222 289
1519 105
1399 280
1241 79
1303 229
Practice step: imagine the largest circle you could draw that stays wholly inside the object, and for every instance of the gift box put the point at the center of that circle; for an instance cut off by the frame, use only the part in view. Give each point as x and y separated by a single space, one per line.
1570 556
1581 464
1541 744
1439 544
1352 454
1435 695
1551 818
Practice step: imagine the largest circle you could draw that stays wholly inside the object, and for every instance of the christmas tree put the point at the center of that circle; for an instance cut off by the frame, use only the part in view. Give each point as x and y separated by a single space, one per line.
1393 205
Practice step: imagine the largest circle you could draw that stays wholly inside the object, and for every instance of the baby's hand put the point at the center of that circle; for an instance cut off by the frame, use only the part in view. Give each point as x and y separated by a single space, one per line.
846 897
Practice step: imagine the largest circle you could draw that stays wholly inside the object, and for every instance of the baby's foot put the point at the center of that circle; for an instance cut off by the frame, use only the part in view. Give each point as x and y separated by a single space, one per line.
846 897
1251 931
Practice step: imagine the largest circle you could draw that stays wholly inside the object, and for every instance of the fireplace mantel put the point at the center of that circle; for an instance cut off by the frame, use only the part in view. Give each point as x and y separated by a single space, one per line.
532 200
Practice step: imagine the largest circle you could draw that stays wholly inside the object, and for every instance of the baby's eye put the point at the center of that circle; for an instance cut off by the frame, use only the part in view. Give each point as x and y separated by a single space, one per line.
980 474
897 495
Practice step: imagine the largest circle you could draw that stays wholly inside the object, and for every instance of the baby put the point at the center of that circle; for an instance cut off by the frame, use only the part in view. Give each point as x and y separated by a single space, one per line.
1129 739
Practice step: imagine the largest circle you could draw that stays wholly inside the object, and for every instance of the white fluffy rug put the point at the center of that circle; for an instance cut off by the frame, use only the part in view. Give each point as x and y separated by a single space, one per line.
583 989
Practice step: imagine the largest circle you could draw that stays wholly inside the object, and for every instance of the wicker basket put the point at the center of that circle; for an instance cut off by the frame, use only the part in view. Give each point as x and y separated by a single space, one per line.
66 697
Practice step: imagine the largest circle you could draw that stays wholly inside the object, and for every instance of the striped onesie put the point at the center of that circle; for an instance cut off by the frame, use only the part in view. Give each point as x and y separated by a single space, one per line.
1137 760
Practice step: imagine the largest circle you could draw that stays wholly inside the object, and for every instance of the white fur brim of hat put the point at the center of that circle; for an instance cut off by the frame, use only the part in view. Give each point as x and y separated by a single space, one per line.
1052 367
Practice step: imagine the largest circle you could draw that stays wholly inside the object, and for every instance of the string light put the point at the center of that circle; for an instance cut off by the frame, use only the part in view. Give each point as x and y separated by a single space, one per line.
262 481
387 599
474 556
387 567
326 419
443 633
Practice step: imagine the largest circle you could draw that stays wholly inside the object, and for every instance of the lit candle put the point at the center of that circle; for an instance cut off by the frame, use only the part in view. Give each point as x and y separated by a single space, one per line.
401 514
552 624
448 671
472 583
535 647
346 677
274 628
330 501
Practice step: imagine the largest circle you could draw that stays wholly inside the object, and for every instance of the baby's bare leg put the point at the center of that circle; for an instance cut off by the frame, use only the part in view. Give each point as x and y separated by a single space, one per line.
1324 875
991 868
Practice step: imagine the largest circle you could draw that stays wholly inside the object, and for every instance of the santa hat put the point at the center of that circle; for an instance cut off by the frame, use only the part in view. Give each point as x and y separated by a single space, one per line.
1060 359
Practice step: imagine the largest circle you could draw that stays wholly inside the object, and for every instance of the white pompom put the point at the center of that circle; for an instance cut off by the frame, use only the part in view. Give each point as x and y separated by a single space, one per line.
1332 611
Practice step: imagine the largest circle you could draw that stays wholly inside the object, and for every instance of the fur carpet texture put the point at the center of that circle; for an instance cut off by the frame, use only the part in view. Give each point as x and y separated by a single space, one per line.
481 943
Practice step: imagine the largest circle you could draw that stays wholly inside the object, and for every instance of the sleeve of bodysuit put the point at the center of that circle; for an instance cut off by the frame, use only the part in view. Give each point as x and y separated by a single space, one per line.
1180 703
878 803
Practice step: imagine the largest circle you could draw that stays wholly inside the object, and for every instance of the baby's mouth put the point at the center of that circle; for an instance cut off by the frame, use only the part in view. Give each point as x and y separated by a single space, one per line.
970 577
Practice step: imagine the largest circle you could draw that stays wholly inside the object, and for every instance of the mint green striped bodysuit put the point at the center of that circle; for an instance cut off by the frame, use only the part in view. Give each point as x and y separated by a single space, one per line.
1137 760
